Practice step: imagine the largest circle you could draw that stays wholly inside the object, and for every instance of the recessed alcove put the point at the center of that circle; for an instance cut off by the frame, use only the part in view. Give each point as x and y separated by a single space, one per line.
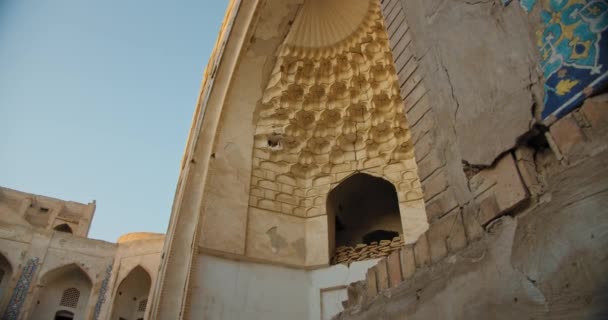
64 227
364 209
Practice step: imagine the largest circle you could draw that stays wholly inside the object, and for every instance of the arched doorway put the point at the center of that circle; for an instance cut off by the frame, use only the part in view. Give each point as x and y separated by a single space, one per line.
6 272
63 228
131 298
363 209
64 294
64 315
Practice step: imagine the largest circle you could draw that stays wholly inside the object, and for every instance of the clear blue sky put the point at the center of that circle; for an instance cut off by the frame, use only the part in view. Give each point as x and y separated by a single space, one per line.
96 99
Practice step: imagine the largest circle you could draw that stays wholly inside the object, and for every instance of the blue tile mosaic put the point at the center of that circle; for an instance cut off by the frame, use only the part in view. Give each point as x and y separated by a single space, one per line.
527 5
20 292
573 46
102 292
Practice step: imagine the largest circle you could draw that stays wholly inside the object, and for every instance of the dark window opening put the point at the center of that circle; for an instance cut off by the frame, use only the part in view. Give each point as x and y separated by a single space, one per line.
363 209
44 210
63 228
64 315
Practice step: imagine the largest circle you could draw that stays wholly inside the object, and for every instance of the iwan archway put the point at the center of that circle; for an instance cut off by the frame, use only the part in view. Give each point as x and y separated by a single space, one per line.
64 293
292 110
131 297
6 272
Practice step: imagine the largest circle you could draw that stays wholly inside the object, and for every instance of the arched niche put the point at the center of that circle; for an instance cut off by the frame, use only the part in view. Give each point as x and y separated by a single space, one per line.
131 297
64 227
6 272
362 209
62 292
64 315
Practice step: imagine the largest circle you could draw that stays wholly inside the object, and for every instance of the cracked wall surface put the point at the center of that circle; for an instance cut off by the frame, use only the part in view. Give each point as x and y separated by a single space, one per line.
327 114
305 110
548 262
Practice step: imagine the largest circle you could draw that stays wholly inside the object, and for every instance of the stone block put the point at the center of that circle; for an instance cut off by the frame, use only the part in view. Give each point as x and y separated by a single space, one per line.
567 134
253 201
322 181
269 194
457 238
501 181
411 83
406 64
488 210
393 263
287 189
258 173
527 169
441 204
269 185
372 284
595 111
278 167
424 126
286 208
299 211
408 262
446 235
269 205
434 184
402 60
437 235
401 50
419 108
257 192
288 180
472 226
287 198
423 146
430 164
314 212
382 275
421 252
412 99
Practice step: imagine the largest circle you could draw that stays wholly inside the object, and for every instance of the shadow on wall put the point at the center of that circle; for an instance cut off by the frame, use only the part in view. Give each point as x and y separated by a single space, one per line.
365 209
131 299
6 272
64 294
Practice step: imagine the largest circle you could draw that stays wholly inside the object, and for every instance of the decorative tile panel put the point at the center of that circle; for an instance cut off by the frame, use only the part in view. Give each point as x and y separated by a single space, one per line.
20 292
574 52
102 292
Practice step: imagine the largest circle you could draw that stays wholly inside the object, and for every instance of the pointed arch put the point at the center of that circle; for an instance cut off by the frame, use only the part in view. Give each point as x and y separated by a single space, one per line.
362 209
131 297
64 290
6 272
64 227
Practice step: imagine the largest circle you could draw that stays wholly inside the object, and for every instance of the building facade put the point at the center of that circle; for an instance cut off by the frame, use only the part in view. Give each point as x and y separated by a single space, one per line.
362 159
432 141
49 269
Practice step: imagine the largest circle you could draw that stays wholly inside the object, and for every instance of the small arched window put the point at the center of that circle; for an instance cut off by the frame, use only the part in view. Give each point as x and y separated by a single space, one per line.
70 298
63 228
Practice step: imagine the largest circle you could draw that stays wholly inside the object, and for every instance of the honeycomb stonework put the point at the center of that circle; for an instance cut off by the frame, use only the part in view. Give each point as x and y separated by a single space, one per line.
326 114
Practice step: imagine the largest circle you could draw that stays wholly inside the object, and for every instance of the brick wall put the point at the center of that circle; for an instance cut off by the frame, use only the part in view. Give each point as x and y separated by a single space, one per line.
439 197
497 191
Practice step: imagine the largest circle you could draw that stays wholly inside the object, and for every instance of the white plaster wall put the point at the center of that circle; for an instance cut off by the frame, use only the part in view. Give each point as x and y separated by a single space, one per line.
233 290
329 285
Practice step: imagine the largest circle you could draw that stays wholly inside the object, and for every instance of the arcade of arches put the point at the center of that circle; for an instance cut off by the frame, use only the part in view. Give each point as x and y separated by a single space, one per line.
51 270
